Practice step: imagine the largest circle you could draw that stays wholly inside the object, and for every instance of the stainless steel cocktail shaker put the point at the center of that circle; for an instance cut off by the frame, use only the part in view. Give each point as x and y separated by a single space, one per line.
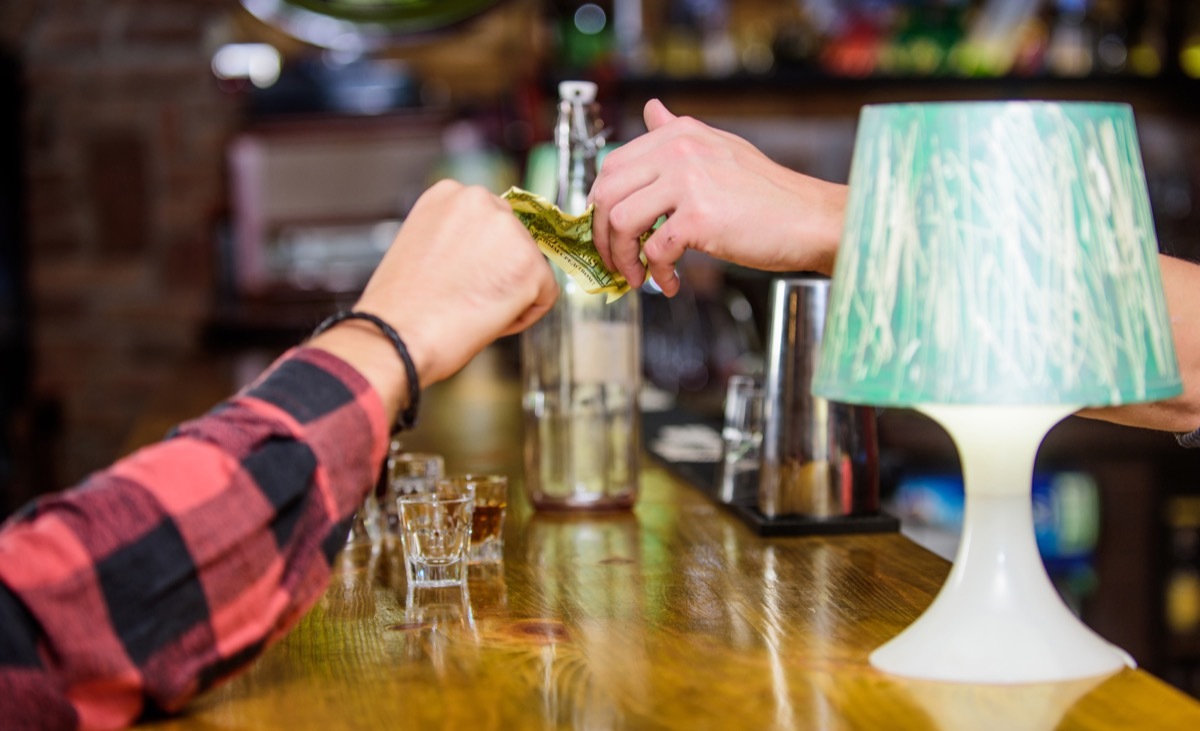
820 459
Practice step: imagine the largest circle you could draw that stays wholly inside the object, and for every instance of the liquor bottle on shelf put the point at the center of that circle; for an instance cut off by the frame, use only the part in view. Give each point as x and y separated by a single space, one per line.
1071 47
585 34
581 363
1148 30
1189 51
1111 36
1181 602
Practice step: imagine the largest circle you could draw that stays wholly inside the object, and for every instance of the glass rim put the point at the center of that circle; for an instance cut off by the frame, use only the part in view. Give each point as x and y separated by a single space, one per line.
472 477
437 495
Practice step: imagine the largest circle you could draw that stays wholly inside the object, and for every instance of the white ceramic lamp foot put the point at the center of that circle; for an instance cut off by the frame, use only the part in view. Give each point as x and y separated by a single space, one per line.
998 618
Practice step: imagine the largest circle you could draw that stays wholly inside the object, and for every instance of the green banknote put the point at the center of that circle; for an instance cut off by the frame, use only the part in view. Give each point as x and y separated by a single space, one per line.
567 241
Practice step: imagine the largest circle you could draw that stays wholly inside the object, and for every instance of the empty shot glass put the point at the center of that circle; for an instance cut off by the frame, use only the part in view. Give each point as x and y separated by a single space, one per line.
407 472
439 627
438 608
435 531
741 440
487 523
366 525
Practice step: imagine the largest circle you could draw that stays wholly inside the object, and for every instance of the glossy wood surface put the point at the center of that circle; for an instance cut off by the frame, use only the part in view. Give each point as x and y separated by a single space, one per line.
671 616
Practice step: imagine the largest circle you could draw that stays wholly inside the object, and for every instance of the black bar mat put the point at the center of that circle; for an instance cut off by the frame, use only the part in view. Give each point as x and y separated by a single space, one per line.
690 447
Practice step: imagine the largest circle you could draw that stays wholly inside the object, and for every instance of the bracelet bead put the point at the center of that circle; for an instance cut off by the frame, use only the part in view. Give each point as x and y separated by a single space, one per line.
408 417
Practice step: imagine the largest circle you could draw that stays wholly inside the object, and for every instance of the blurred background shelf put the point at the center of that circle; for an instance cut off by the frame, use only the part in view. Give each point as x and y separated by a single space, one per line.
819 91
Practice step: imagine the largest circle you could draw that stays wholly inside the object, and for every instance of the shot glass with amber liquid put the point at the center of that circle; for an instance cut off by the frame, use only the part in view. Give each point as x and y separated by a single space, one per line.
487 522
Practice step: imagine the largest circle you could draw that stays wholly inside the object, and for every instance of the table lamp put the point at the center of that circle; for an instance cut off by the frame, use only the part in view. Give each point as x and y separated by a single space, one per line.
998 271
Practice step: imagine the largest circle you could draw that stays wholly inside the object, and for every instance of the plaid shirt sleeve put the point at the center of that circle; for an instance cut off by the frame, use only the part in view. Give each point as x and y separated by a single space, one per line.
179 564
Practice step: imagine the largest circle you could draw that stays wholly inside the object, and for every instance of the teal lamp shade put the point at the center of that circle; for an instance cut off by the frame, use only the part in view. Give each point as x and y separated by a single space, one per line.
997 253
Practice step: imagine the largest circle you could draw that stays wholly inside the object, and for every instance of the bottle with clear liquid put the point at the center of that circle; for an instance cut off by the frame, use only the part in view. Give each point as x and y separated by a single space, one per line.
581 363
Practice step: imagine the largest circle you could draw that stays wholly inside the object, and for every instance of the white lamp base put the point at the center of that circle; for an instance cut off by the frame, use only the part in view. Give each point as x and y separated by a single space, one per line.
998 618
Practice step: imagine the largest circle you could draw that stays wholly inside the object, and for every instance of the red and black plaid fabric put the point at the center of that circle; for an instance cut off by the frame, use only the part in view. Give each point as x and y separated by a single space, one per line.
178 565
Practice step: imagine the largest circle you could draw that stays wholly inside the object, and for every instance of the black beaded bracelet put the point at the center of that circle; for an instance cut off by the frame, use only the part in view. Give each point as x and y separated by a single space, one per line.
408 417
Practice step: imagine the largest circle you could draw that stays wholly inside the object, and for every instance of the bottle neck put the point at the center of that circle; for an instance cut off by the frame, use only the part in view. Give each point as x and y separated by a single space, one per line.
578 135
580 172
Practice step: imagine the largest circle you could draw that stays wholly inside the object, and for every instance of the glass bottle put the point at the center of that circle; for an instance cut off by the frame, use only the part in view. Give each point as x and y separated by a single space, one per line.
1070 50
581 363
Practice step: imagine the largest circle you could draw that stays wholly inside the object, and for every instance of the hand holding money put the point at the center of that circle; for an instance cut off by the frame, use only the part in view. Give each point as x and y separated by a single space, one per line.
567 241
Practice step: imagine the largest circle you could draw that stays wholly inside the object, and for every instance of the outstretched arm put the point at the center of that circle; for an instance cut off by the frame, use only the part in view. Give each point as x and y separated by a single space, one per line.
724 197
178 565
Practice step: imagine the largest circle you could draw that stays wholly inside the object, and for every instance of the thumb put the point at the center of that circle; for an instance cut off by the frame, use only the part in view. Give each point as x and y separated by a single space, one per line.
656 114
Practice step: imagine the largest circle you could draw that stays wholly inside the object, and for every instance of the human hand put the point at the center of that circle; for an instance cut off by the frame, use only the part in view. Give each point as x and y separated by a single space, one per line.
720 194
461 272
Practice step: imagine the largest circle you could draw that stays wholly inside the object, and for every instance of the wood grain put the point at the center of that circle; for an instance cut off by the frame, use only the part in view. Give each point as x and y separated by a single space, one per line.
671 616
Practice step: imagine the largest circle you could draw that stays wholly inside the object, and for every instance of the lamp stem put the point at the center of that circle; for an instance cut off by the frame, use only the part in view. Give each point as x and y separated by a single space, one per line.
998 617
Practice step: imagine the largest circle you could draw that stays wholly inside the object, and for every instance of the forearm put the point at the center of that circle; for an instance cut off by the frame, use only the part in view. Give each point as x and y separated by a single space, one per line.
368 351
1181 286
814 237
180 563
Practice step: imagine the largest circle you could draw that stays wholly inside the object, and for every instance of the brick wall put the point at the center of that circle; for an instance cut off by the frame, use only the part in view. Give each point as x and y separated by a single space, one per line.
125 136
125 130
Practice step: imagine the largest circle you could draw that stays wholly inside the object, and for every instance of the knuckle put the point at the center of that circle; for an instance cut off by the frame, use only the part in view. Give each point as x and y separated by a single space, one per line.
613 161
689 124
700 218
447 185
476 194
681 146
600 194
619 220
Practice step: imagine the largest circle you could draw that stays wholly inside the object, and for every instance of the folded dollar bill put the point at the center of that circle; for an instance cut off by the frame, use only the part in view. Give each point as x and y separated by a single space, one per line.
567 241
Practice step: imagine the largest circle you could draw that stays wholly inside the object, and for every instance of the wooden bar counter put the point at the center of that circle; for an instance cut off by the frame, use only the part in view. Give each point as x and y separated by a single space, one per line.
672 616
